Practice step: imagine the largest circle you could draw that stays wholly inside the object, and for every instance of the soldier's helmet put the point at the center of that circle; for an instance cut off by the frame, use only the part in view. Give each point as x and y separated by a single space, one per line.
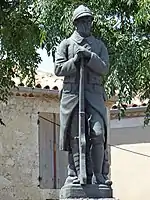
81 11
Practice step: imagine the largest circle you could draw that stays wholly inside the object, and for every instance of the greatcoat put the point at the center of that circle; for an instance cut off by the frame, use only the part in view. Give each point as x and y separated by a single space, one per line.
95 69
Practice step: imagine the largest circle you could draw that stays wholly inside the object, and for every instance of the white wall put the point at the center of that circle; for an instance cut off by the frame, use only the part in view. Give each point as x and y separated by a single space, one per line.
130 172
19 149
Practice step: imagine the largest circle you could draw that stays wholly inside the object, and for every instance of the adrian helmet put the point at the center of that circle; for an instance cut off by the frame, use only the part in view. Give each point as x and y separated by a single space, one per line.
81 11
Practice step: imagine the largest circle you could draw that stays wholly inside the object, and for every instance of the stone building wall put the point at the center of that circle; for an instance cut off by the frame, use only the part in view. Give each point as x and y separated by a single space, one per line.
19 156
19 152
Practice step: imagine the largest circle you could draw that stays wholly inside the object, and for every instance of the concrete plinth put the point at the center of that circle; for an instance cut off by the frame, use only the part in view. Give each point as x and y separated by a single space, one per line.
77 191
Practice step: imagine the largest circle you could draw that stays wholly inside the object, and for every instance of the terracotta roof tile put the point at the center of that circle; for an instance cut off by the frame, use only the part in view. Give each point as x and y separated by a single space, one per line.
50 82
43 80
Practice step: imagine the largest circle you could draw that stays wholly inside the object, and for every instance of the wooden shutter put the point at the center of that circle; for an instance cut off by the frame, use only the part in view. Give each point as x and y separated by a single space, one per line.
46 171
52 162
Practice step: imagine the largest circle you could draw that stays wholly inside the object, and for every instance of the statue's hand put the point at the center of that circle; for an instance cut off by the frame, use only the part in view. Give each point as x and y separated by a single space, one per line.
84 52
77 57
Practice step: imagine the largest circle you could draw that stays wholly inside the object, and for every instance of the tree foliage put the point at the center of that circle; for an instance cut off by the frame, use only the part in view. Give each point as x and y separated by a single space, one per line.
19 40
123 25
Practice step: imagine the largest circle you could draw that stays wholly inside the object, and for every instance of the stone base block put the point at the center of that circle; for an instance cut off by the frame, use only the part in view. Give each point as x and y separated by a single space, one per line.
90 199
77 191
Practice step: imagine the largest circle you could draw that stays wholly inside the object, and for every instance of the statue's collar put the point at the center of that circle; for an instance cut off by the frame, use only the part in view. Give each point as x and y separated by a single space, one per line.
78 38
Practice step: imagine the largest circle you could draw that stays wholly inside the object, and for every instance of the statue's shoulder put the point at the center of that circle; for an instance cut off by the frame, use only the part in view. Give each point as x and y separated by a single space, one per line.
100 41
63 43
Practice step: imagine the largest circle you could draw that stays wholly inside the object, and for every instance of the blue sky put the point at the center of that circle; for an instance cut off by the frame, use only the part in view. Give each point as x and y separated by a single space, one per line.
47 64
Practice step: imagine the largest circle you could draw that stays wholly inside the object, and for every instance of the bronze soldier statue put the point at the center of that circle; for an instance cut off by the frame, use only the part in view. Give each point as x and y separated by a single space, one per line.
82 45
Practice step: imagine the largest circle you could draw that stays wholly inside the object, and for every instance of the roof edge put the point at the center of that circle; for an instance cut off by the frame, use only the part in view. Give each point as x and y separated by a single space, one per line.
54 94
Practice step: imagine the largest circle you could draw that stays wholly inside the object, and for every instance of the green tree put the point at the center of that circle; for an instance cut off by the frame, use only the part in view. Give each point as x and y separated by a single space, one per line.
123 25
19 40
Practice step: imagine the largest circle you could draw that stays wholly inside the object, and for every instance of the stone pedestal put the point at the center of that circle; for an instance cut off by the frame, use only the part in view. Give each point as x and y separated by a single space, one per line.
91 199
77 191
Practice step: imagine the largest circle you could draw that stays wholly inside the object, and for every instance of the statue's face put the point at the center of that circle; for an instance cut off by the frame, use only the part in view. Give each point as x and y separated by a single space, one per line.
83 26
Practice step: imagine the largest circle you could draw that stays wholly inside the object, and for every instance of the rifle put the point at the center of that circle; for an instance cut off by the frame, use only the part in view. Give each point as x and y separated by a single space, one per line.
82 139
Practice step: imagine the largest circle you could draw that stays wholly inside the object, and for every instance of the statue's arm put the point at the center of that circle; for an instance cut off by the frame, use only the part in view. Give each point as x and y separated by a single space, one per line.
63 66
99 63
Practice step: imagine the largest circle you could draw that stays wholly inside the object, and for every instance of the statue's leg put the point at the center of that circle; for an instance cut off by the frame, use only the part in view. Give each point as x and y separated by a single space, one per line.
105 168
73 153
74 156
97 153
71 169
74 144
97 144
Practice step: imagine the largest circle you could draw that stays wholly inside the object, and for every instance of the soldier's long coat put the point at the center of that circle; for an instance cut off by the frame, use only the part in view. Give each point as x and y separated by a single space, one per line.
95 69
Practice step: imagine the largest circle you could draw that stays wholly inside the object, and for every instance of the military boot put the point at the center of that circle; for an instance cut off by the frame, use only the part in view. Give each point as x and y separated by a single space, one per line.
76 159
71 169
97 154
105 169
